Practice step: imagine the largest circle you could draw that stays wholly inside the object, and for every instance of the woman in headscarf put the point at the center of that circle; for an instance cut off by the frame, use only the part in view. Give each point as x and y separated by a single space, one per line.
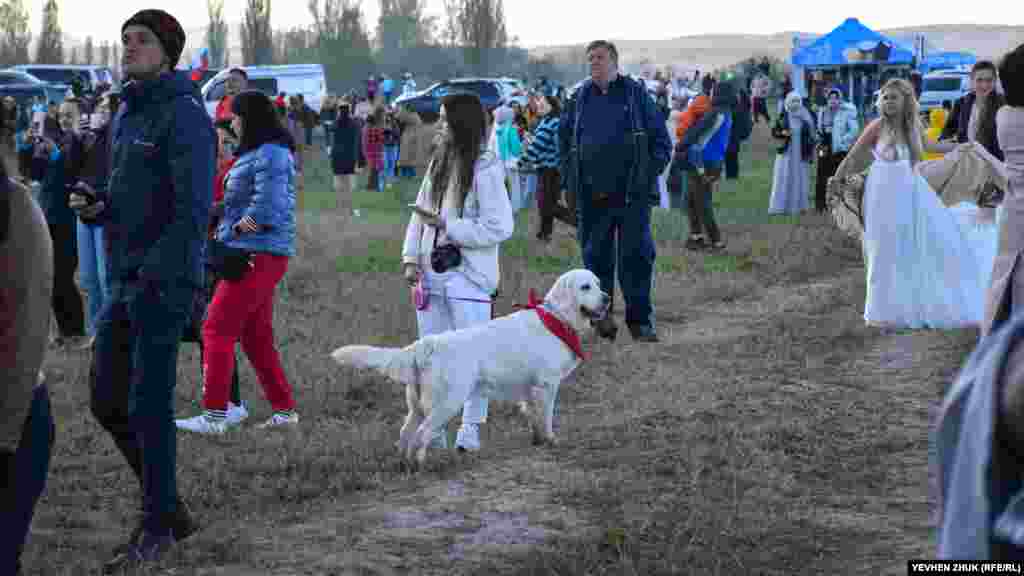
791 181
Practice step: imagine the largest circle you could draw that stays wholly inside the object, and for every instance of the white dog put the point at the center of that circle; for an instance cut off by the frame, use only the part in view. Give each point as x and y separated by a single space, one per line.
519 357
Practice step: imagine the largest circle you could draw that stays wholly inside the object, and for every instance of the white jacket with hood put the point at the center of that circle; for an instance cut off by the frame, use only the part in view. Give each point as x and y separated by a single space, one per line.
485 223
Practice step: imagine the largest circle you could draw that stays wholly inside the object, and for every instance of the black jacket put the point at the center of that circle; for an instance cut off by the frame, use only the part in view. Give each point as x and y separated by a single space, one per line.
956 123
346 147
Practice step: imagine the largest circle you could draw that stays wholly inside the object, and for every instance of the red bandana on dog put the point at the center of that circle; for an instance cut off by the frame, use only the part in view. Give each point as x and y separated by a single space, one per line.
557 326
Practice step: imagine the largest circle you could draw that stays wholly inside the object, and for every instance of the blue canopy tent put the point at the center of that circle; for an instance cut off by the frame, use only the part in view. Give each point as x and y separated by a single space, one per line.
850 45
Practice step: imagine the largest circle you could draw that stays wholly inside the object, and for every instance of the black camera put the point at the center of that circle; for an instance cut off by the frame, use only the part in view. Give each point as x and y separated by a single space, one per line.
445 257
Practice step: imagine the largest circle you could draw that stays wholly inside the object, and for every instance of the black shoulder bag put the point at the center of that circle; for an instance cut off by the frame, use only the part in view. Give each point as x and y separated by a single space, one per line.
446 256
227 262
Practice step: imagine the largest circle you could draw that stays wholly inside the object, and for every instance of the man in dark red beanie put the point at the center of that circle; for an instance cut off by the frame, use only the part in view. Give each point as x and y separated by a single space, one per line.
155 209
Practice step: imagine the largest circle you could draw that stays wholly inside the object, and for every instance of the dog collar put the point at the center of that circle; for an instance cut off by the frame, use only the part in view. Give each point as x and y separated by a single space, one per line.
555 325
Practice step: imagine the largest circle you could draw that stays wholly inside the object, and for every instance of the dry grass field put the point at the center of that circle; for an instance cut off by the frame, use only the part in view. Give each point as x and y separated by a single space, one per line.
770 432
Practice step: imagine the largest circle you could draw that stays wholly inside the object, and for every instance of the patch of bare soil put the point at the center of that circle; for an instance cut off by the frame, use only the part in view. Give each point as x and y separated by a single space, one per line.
770 432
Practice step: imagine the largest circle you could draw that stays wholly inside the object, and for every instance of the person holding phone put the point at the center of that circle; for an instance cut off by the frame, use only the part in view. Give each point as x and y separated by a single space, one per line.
450 254
61 161
92 252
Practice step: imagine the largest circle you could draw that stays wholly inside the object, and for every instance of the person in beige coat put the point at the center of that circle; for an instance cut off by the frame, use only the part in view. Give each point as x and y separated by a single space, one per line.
1006 293
26 427
414 149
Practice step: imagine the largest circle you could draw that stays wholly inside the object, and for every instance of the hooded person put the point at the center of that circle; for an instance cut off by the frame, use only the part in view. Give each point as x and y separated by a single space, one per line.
155 209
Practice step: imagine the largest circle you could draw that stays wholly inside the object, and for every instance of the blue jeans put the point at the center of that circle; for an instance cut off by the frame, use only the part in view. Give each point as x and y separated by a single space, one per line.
407 171
92 271
133 376
600 230
390 160
31 465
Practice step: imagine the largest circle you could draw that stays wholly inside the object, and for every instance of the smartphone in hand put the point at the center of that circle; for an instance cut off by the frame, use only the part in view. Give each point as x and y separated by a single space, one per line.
423 211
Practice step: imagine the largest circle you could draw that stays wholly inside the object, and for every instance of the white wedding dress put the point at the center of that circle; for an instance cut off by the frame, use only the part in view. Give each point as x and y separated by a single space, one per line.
928 266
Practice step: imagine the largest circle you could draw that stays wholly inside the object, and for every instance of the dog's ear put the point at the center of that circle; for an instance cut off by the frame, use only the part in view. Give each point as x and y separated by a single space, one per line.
563 294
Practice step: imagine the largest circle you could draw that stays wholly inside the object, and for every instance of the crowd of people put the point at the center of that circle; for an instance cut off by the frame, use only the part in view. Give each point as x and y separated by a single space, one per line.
180 226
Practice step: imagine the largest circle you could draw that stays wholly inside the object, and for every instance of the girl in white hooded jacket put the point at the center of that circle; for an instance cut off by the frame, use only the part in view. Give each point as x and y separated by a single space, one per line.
462 202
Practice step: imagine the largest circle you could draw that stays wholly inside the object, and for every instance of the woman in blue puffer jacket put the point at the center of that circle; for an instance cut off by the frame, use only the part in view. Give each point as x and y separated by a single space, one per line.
259 217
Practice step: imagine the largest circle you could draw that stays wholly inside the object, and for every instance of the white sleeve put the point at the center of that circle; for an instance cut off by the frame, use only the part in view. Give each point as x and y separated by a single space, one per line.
495 223
414 230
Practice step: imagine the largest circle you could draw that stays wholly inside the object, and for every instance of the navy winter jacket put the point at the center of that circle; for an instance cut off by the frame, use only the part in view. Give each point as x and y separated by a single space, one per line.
160 188
644 165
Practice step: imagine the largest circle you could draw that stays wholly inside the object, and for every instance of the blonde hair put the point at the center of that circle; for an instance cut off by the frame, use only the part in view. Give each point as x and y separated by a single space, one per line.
909 125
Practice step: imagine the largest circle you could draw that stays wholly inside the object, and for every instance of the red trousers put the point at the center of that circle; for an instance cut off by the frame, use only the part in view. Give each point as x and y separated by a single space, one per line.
243 311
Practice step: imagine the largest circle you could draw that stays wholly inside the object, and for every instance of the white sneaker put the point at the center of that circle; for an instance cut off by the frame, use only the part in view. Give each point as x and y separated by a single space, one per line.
202 424
280 419
468 437
237 413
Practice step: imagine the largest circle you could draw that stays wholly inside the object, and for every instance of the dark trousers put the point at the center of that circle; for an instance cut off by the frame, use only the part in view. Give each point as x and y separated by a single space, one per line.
827 166
732 160
620 236
68 307
760 106
699 208
549 197
25 484
133 377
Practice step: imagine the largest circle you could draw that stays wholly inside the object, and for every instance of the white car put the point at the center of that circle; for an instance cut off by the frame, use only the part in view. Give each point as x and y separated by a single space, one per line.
306 79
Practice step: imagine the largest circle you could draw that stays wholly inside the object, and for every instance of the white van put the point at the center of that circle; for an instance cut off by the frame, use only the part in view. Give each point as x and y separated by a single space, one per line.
66 73
306 79
944 86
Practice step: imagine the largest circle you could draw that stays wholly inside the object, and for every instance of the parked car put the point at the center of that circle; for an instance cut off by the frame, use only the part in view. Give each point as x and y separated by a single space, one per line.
25 95
306 79
53 92
427 103
943 86
92 76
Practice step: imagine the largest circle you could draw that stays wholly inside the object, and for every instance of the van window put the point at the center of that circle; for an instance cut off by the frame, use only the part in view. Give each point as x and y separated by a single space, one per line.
216 92
942 84
266 85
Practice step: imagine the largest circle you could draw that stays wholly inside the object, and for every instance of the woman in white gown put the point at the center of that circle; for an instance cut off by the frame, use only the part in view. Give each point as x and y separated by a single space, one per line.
927 265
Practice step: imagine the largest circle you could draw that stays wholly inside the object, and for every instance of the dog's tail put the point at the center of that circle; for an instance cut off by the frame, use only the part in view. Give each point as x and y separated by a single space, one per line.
395 363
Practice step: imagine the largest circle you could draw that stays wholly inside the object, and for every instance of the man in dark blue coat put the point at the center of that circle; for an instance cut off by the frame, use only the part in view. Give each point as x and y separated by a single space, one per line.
155 209
614 145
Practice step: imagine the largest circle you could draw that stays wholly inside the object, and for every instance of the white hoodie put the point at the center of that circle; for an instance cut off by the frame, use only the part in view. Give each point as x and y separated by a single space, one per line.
486 222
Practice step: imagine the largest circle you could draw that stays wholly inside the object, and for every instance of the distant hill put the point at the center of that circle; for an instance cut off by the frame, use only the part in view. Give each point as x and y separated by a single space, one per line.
717 50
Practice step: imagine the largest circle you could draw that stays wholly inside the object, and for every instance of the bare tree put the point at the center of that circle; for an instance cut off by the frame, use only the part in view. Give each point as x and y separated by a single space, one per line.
216 33
257 37
450 28
341 41
50 49
402 25
116 55
482 31
14 33
105 54
88 51
73 55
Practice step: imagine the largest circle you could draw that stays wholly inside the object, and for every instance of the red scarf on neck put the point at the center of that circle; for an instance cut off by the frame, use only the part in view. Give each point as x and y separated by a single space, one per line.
557 326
